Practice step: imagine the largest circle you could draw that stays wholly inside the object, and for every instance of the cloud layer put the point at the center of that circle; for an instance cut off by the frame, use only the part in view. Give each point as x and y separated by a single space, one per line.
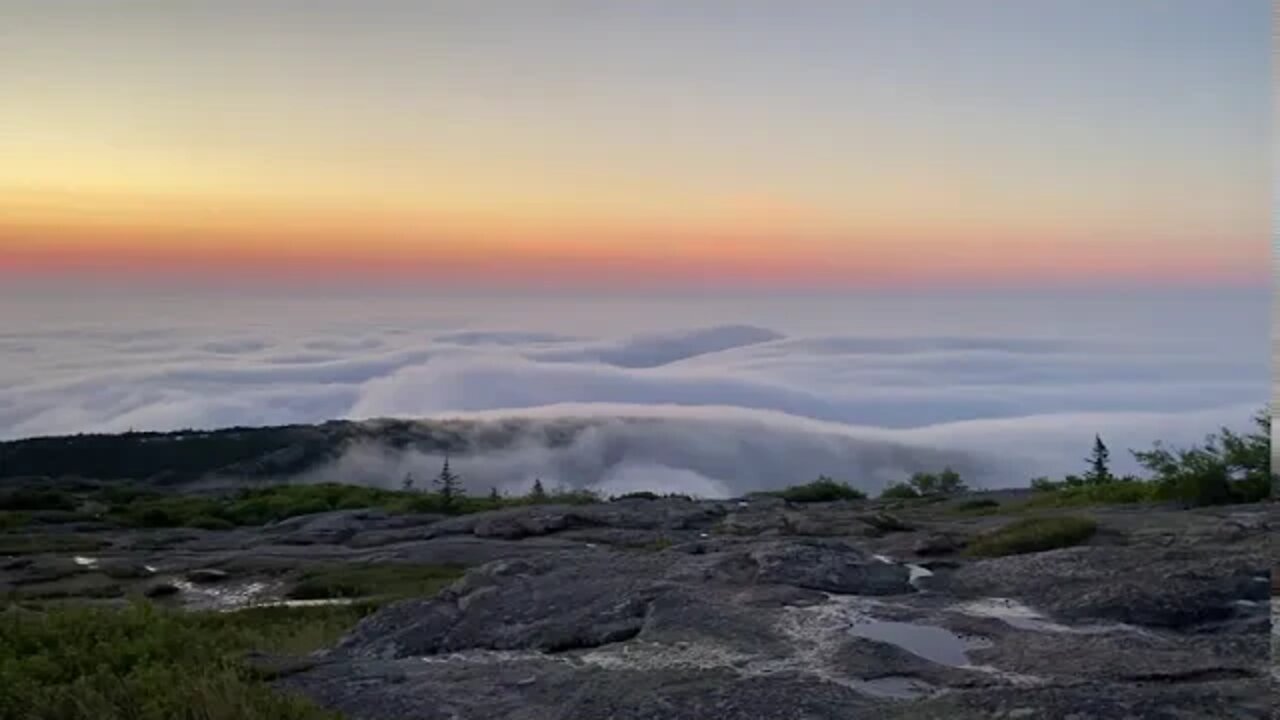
728 405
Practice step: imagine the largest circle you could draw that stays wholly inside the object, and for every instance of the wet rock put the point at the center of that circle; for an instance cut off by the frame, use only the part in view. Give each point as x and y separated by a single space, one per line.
828 566
540 605
938 544
207 576
126 570
161 590
882 523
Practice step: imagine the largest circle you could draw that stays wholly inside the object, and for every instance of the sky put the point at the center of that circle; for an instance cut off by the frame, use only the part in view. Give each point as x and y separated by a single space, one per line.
611 146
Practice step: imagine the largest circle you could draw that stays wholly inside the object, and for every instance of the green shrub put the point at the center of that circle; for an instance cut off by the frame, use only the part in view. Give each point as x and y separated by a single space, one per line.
641 495
34 499
143 663
824 489
13 520
1044 484
31 543
1226 468
1124 491
1033 535
976 505
208 522
382 581
947 482
899 491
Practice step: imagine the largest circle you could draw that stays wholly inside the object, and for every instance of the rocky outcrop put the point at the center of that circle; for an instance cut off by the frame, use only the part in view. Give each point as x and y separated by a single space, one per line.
680 610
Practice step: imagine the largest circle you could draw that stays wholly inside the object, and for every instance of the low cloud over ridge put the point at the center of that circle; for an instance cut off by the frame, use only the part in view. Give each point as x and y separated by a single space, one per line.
730 406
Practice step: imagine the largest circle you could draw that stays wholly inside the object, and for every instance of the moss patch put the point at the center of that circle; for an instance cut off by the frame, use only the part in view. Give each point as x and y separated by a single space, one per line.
1033 535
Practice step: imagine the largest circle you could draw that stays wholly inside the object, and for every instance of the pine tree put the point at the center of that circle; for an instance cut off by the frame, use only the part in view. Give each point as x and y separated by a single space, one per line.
539 494
448 484
1099 472
494 497
407 483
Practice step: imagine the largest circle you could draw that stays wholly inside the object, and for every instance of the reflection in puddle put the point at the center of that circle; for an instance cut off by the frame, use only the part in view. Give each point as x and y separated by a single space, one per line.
83 561
932 643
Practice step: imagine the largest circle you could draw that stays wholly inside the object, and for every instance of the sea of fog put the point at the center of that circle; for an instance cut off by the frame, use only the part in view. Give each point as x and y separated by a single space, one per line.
737 393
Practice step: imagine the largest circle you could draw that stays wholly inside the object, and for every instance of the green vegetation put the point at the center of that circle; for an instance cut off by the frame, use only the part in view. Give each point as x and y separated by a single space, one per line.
646 495
824 489
13 520
977 505
926 485
947 482
32 499
449 489
1227 468
144 663
259 506
1119 491
899 491
382 581
182 455
1033 535
75 662
30 543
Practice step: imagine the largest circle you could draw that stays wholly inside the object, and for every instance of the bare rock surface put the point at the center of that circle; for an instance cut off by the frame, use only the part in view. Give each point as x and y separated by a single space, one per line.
749 609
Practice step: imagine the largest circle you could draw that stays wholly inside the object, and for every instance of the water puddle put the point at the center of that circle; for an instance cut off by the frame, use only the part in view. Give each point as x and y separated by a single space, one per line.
83 561
930 642
221 597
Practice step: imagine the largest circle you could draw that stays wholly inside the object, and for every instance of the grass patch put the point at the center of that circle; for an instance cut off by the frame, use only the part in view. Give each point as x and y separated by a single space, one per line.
260 506
383 581
824 489
1033 535
11 520
31 543
1119 492
977 506
145 663
37 499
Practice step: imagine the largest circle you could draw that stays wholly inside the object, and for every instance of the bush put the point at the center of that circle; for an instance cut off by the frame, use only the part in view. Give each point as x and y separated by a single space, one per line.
208 522
1033 535
824 489
641 495
33 499
142 663
1044 484
647 495
977 504
1227 468
13 520
899 491
947 482
1124 491
382 581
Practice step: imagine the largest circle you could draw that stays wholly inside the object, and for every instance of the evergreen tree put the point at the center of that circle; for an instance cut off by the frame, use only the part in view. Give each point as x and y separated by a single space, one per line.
407 483
447 482
539 494
1099 472
494 497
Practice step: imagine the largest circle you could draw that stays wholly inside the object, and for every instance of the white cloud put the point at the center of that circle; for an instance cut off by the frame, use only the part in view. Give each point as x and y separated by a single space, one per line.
730 404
